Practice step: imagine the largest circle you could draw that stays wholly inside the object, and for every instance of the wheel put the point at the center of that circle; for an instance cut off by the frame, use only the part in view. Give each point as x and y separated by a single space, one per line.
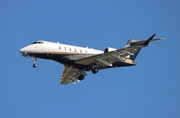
81 77
95 70
34 65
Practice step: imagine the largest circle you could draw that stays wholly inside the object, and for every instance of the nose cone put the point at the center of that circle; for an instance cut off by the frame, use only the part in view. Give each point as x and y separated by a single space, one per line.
22 50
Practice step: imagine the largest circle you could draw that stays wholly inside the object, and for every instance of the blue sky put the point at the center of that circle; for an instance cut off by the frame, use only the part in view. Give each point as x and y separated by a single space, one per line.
151 89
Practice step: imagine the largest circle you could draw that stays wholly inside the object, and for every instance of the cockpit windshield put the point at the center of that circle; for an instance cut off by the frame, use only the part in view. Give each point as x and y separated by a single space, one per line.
38 42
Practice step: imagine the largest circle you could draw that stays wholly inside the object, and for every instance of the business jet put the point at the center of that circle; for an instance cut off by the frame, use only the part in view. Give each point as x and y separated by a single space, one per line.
77 60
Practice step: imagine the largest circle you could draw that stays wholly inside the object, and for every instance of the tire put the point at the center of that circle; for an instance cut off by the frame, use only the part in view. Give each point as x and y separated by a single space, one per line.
95 70
34 65
81 77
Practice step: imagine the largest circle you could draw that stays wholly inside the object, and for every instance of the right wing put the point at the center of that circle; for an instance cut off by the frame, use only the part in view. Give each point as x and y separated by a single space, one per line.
106 59
71 74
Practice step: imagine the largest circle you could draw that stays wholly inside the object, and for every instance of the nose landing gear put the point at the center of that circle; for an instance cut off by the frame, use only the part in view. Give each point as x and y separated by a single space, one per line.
35 64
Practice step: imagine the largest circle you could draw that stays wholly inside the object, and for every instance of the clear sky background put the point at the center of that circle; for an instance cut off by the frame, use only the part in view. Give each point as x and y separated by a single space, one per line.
149 90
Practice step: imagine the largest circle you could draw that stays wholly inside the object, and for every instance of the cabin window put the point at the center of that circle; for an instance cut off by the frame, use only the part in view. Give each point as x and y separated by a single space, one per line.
69 49
60 47
37 42
34 42
64 48
40 42
80 51
75 50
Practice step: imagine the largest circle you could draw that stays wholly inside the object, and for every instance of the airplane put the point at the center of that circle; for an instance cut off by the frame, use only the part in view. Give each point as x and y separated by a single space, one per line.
77 60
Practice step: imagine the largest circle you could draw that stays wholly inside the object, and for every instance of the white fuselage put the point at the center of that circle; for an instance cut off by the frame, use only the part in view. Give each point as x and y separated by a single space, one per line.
45 46
66 54
50 49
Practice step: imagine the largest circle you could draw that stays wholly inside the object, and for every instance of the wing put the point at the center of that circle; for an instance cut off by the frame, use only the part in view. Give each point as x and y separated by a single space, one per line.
106 59
71 74
124 54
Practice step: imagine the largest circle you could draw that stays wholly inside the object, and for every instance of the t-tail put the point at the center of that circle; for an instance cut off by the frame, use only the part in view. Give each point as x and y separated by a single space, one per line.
144 43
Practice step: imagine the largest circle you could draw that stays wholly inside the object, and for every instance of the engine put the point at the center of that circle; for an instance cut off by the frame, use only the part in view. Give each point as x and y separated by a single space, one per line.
109 49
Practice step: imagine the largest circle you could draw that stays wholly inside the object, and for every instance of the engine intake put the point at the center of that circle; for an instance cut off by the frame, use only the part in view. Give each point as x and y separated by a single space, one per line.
109 49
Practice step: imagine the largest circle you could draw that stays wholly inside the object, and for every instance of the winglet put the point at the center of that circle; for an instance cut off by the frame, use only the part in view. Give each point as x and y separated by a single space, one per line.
146 42
150 39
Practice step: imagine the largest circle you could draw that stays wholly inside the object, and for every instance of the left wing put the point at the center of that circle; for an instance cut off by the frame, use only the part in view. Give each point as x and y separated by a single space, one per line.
71 74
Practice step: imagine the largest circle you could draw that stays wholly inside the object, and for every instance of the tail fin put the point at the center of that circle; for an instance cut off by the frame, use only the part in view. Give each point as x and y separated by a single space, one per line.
144 43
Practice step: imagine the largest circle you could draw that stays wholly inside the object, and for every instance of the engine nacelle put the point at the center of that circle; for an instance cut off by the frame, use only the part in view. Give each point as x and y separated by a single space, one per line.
109 49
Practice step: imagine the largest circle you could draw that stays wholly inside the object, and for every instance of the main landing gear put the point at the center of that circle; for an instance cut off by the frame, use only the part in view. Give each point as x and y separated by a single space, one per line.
94 69
81 77
35 64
